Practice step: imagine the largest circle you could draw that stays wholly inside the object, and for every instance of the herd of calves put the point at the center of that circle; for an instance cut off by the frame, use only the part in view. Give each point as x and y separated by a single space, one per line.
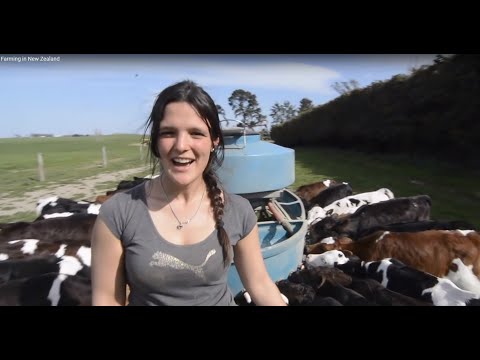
363 249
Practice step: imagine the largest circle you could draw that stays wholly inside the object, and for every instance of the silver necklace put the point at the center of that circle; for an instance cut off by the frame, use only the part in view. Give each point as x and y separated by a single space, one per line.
181 224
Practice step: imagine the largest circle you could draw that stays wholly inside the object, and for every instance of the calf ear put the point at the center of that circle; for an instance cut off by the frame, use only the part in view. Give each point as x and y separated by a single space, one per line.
328 247
344 240
347 253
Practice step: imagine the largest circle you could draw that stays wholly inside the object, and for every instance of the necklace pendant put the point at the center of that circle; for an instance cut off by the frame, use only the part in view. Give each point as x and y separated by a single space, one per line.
179 227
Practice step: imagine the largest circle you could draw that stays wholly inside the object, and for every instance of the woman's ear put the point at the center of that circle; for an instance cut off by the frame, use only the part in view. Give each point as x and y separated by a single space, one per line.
216 142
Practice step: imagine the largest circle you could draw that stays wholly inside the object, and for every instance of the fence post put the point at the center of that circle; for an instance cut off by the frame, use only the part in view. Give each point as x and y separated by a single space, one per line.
141 152
104 156
41 172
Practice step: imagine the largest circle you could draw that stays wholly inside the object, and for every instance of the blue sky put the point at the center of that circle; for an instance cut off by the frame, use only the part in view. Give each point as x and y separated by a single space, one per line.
115 93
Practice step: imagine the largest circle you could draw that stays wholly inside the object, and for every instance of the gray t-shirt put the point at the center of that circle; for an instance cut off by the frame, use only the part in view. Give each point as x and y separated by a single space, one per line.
161 273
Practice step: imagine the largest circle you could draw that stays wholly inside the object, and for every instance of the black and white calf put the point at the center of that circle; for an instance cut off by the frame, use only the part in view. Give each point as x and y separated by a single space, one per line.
68 285
350 204
55 206
398 277
371 289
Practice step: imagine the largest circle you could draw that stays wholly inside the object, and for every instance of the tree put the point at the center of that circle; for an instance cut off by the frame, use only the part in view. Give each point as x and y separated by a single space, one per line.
245 105
345 87
221 113
265 134
305 105
440 58
282 113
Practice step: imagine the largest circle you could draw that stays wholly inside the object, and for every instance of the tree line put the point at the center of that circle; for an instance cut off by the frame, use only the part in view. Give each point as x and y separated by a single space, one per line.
246 109
431 111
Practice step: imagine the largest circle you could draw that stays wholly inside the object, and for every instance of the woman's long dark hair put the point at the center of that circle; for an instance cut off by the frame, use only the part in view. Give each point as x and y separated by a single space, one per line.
189 92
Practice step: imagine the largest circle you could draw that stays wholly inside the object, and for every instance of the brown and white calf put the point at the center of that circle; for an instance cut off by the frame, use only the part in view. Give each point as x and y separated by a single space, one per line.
75 228
454 254
309 191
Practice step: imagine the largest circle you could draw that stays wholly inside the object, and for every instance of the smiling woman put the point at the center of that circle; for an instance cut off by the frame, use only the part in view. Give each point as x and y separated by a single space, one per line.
165 239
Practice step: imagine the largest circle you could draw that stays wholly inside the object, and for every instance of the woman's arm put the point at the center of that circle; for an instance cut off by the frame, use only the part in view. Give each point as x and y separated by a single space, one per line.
108 274
253 273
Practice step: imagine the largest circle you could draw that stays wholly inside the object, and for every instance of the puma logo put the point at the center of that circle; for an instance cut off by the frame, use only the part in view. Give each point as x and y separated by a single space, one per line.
161 259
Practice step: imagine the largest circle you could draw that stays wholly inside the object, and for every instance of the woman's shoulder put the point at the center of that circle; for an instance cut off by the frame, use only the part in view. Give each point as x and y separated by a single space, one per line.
240 217
125 198
235 202
233 198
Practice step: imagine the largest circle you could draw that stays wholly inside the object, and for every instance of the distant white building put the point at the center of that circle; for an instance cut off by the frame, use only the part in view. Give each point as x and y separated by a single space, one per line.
41 135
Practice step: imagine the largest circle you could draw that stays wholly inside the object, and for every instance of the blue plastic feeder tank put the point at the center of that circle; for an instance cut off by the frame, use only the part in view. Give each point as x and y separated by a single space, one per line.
260 171
252 165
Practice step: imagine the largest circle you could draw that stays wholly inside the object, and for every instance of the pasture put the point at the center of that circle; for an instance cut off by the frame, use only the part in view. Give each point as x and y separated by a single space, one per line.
67 160
454 189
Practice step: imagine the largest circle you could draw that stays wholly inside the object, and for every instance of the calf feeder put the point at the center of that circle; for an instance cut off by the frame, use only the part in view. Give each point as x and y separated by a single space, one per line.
260 171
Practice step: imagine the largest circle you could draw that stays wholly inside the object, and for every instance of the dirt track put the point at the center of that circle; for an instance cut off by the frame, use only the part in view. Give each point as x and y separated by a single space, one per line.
84 186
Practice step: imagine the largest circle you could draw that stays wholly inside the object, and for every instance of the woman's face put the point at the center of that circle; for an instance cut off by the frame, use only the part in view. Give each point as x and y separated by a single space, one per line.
184 143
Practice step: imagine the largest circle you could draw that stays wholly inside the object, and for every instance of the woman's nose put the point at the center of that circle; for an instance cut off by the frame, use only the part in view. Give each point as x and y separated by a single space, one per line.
181 142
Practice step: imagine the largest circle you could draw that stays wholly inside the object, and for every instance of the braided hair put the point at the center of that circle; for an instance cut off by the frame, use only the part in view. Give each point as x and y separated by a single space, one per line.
214 194
191 93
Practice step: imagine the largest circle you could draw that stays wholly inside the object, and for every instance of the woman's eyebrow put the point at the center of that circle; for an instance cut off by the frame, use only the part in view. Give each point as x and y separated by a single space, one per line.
173 128
198 129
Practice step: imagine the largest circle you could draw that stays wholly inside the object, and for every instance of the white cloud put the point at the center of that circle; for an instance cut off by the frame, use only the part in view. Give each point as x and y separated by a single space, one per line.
268 74
279 75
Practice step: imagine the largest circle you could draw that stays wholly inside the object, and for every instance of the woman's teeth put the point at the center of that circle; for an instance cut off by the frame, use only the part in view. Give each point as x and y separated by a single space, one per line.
182 161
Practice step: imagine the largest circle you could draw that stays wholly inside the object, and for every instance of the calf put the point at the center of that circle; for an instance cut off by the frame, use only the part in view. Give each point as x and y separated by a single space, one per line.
398 277
297 294
50 289
304 295
75 228
417 226
329 258
331 194
19 249
343 260
432 251
374 292
309 191
399 210
61 207
128 184
315 214
369 288
350 204
34 265
329 282
64 287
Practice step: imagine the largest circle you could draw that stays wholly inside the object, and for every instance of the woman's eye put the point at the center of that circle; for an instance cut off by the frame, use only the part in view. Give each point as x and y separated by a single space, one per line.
198 134
166 133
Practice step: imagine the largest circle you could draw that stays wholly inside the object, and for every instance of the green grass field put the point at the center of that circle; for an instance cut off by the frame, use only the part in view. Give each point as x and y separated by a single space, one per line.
454 190
66 159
